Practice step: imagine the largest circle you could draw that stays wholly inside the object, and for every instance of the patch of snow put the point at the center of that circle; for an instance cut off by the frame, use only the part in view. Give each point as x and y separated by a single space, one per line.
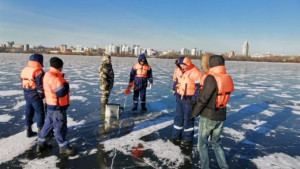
283 95
168 153
19 105
93 151
5 118
277 161
74 86
21 143
237 136
10 92
72 123
268 113
41 163
80 98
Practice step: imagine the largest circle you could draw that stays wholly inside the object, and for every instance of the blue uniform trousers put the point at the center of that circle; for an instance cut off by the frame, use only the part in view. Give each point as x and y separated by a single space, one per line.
139 93
183 125
35 107
55 120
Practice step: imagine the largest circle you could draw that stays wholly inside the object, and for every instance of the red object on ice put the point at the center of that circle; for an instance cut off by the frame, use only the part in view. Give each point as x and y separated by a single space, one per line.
138 151
127 90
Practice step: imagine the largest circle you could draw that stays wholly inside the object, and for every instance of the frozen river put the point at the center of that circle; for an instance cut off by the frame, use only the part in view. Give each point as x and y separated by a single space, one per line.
261 131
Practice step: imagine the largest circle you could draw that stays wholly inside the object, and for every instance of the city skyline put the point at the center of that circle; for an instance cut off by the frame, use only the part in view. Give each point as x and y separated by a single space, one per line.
215 26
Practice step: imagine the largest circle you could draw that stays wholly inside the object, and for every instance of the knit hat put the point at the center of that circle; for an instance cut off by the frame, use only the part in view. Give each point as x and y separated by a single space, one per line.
216 60
37 57
56 62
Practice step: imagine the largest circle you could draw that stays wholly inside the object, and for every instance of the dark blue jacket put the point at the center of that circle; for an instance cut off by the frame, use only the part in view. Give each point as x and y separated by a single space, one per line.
141 82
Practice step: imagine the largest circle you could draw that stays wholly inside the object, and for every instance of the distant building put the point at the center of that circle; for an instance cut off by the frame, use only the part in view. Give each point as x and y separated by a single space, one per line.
26 47
125 49
10 44
246 49
17 46
137 50
63 48
231 54
185 51
194 52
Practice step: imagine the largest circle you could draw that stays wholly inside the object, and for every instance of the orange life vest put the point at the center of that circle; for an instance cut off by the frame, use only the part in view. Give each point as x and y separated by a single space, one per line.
29 73
141 70
187 80
54 81
224 83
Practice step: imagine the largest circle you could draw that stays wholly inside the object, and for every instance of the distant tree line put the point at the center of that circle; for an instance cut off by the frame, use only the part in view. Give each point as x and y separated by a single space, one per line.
291 59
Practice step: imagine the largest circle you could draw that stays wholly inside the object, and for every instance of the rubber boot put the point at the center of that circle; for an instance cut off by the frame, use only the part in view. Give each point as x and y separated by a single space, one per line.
67 151
29 132
39 130
44 147
143 107
103 105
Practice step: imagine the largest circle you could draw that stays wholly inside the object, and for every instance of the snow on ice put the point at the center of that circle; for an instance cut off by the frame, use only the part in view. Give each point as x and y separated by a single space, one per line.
261 130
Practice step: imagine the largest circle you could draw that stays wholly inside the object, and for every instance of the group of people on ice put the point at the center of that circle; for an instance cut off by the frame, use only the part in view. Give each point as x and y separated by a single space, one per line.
196 94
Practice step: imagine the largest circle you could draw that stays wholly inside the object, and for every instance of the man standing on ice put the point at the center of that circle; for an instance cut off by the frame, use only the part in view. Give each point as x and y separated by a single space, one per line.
140 73
57 96
186 85
211 105
32 82
106 74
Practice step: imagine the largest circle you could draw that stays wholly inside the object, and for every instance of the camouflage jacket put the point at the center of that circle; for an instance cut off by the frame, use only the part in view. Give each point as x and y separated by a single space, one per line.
106 74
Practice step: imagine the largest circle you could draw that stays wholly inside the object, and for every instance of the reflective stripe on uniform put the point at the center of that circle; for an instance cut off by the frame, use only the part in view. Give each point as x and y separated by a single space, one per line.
63 144
177 127
41 140
58 88
189 129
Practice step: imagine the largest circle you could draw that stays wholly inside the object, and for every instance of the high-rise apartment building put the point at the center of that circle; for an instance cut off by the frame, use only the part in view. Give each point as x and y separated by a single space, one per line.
63 48
246 49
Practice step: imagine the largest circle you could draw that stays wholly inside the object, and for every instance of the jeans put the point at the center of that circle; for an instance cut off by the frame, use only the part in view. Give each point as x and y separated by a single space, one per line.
213 129
35 107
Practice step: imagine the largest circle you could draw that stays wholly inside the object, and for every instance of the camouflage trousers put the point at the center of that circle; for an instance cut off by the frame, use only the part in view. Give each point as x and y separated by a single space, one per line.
105 96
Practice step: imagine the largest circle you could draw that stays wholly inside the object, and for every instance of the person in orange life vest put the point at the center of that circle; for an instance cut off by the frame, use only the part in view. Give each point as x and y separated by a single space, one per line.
186 85
32 82
140 73
57 96
211 105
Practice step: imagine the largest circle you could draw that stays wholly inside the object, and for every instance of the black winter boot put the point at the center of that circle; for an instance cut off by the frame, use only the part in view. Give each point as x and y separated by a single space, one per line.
67 151
143 107
29 132
40 148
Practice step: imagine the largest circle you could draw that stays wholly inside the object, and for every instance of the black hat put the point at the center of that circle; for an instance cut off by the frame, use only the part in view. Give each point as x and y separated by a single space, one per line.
56 62
216 60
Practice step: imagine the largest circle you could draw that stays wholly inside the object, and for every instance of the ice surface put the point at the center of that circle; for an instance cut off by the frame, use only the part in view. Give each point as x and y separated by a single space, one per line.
261 131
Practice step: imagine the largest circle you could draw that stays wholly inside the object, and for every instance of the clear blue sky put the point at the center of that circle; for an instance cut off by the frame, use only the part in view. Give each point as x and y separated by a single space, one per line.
211 25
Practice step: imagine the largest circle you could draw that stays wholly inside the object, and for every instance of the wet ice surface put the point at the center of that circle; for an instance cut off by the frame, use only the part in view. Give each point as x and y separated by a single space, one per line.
261 131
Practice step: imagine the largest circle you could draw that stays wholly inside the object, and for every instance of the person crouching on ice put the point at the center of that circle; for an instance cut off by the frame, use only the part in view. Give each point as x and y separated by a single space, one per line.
211 105
186 85
140 73
57 95
32 82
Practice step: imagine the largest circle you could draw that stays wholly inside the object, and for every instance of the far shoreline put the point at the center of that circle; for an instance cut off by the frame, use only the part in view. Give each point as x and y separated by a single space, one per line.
272 59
